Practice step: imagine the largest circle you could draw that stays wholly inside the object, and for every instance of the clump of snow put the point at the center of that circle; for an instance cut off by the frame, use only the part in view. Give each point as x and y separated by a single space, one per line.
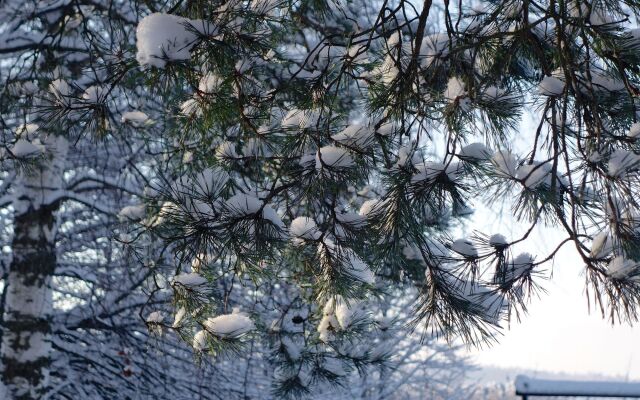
209 83
550 86
135 118
242 204
23 148
339 315
359 270
386 129
272 216
347 313
94 94
133 213
180 314
498 241
620 162
599 83
27 130
230 325
493 93
190 107
355 135
293 349
333 157
534 175
454 90
351 219
475 151
601 246
505 163
60 90
200 340
464 247
519 267
300 119
370 207
304 228
227 150
161 37
621 267
155 317
634 130
189 280
430 171
434 47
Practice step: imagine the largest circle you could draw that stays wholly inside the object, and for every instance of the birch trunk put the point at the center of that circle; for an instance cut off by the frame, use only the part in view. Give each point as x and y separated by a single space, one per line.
25 351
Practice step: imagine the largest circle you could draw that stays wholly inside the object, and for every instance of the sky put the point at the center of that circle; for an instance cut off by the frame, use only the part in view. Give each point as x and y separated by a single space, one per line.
559 334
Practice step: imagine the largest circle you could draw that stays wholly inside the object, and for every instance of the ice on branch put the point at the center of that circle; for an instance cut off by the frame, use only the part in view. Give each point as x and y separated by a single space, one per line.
229 326
161 37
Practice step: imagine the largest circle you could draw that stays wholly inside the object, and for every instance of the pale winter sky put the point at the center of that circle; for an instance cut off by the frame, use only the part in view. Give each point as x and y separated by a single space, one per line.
559 334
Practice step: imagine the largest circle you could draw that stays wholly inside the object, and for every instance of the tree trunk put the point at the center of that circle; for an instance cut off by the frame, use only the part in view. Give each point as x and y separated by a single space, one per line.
25 351
26 336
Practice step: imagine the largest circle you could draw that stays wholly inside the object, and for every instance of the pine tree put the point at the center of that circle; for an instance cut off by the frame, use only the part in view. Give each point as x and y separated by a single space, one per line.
306 162
333 146
72 166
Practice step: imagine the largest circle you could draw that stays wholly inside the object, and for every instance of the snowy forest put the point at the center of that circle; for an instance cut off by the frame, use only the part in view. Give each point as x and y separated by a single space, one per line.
272 199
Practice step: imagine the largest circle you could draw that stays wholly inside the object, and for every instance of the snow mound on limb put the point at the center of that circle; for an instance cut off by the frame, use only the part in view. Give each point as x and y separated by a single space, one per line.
161 37
230 326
